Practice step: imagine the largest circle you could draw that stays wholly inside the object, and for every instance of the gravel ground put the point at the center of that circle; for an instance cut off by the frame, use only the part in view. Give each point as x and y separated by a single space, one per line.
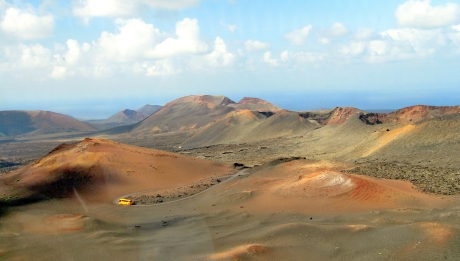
434 180
170 194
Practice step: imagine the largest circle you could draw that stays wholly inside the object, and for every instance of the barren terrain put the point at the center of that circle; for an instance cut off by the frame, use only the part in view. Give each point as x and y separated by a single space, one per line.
239 185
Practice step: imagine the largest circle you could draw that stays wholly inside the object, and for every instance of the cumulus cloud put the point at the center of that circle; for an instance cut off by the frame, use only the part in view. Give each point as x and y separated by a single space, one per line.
400 44
92 8
365 34
33 60
26 25
161 67
27 56
134 47
299 36
326 35
416 41
187 41
132 41
355 48
420 14
220 56
252 45
267 58
3 5
122 8
337 29
59 72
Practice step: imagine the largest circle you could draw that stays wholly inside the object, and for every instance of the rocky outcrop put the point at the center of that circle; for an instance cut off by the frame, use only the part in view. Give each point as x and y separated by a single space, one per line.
338 116
410 114
255 104
373 118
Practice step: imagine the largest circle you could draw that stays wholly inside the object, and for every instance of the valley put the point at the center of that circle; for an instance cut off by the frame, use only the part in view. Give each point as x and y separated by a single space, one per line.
216 179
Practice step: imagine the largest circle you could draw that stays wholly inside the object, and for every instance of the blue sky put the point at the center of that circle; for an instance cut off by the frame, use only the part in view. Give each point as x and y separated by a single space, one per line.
92 58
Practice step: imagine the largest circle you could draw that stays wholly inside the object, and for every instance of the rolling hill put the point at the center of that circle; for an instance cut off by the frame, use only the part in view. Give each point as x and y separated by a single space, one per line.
249 126
187 113
102 170
125 117
148 109
13 123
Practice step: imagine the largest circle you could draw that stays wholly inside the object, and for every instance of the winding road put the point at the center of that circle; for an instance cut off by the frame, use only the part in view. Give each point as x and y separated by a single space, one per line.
242 172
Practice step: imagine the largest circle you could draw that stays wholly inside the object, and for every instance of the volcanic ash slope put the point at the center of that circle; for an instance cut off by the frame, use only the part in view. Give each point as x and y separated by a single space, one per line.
101 170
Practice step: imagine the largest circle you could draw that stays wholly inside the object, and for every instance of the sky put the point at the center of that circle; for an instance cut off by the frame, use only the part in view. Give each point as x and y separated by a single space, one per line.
92 58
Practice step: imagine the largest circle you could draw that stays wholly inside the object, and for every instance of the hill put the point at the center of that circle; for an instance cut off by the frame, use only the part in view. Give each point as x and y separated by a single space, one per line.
254 104
186 113
410 114
101 170
249 126
14 123
148 109
125 117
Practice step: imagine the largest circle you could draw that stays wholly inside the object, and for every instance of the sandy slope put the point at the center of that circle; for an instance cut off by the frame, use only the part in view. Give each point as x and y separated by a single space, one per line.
284 210
318 187
101 170
249 126
304 209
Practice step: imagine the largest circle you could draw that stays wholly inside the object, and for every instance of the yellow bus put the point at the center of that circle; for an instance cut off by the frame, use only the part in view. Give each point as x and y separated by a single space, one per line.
125 201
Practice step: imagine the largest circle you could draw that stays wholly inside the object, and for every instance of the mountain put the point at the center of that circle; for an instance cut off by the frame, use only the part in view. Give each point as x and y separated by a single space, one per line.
194 112
186 113
148 109
125 117
249 126
255 104
411 114
14 123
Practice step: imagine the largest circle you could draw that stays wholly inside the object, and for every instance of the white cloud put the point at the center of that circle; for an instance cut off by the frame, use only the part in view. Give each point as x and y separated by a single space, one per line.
324 40
162 67
267 59
365 34
401 44
26 25
416 41
377 50
284 56
337 31
27 56
220 56
122 8
32 61
353 49
3 5
299 36
231 28
252 45
420 14
114 8
454 37
59 72
133 40
187 41
301 57
170 4
74 51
